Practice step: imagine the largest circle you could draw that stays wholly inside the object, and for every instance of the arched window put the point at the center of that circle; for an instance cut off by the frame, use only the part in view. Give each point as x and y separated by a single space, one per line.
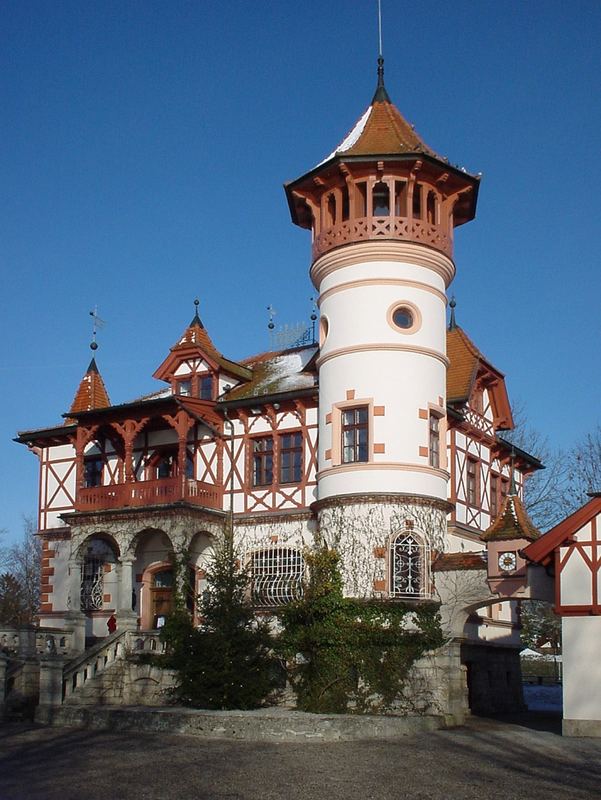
98 554
408 565
381 200
277 576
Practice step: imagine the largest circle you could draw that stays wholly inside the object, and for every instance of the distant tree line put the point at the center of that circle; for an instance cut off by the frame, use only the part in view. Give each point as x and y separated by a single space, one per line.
20 567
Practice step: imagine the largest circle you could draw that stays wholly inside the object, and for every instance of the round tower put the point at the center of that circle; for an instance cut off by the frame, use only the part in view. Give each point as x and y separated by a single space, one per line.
382 208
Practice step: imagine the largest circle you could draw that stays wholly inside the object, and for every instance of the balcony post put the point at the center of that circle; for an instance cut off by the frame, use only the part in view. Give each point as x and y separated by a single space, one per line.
75 617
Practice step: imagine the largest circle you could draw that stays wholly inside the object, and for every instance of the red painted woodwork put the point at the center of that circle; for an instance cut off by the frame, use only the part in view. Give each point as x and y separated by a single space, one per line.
149 493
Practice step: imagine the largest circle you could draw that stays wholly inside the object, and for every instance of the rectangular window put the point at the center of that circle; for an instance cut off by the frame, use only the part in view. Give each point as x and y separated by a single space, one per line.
355 435
494 495
205 387
291 457
434 443
472 482
92 472
263 461
184 387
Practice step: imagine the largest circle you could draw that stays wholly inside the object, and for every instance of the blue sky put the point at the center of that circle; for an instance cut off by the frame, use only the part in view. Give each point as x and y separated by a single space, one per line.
144 147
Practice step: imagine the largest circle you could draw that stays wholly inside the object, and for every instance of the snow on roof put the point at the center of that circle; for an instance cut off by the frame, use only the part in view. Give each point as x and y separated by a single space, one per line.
350 138
274 373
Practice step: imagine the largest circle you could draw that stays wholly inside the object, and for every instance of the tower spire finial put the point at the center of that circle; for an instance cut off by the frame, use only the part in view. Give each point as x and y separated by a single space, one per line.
196 319
381 95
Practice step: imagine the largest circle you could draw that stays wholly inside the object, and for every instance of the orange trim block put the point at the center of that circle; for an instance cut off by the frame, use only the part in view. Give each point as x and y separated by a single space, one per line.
379 448
423 413
423 451
379 585
379 411
350 394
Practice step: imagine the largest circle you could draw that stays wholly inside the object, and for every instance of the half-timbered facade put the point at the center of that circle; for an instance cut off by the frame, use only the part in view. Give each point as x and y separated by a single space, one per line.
384 440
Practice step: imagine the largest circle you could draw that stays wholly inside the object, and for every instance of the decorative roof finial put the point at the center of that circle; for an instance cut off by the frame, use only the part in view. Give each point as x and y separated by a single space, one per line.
313 319
96 325
452 320
196 319
381 95
272 313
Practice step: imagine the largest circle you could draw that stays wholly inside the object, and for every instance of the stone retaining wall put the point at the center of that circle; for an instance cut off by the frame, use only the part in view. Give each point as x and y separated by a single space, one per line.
264 725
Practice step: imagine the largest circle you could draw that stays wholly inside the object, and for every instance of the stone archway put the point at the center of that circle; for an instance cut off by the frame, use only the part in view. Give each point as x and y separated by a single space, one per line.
95 591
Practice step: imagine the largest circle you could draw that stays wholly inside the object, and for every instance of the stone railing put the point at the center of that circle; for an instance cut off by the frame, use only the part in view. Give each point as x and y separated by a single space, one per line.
114 648
27 641
137 494
374 228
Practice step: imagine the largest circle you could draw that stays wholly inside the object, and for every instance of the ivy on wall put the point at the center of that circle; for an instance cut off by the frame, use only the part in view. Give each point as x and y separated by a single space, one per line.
350 655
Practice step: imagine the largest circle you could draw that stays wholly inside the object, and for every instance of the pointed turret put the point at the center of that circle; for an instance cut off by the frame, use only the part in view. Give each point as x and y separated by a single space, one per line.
512 522
383 182
194 357
91 393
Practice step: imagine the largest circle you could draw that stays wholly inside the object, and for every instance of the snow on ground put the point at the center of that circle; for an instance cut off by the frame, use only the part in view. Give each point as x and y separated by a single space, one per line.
543 698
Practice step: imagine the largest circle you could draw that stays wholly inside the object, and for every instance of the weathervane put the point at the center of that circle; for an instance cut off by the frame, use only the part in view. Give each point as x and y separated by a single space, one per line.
272 313
97 325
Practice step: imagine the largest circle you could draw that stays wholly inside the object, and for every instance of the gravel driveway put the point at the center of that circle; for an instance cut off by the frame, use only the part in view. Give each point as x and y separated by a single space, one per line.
486 759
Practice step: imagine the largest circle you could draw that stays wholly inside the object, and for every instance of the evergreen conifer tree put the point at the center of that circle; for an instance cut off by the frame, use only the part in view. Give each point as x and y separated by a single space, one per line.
228 661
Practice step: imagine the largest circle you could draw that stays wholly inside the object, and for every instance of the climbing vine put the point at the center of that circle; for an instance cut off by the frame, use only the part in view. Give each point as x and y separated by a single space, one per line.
351 655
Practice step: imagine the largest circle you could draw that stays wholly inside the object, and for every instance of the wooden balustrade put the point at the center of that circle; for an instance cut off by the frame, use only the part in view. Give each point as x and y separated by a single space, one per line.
136 494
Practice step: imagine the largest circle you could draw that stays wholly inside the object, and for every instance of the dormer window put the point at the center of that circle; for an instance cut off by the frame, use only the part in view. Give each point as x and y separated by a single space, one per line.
205 387
184 387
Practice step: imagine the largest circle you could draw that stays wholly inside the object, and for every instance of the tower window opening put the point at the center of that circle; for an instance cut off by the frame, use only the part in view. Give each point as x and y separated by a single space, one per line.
381 200
331 210
355 435
400 198
431 208
361 199
417 201
407 566
345 204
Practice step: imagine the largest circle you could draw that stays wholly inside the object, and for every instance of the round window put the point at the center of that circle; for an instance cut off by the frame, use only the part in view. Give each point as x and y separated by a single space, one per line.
403 317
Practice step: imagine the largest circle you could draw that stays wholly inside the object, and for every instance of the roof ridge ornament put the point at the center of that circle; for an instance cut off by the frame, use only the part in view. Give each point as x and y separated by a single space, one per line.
452 320
96 326
196 319
381 95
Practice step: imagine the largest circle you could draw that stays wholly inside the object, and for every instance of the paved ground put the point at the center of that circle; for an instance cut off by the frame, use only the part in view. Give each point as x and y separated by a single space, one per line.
486 760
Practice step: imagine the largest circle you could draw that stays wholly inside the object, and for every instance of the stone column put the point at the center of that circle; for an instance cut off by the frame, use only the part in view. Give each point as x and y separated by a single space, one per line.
51 687
127 618
74 617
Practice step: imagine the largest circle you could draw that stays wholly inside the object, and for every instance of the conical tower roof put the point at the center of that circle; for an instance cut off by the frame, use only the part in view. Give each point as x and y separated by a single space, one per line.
511 523
91 393
381 130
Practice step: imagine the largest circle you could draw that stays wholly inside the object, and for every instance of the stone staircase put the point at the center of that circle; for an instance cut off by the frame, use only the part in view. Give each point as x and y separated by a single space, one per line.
109 673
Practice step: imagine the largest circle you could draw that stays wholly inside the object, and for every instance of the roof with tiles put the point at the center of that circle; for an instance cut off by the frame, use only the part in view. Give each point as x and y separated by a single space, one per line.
91 393
448 562
277 373
382 130
511 523
195 337
465 359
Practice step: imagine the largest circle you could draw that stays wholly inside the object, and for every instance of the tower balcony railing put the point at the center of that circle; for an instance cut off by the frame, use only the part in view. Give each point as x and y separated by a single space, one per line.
374 228
136 494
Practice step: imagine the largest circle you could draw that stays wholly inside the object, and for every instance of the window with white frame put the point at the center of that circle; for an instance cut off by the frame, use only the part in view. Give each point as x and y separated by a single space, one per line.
355 434
408 565
277 576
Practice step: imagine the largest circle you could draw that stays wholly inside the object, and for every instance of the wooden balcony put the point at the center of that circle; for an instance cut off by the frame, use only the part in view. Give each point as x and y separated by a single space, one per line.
148 493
